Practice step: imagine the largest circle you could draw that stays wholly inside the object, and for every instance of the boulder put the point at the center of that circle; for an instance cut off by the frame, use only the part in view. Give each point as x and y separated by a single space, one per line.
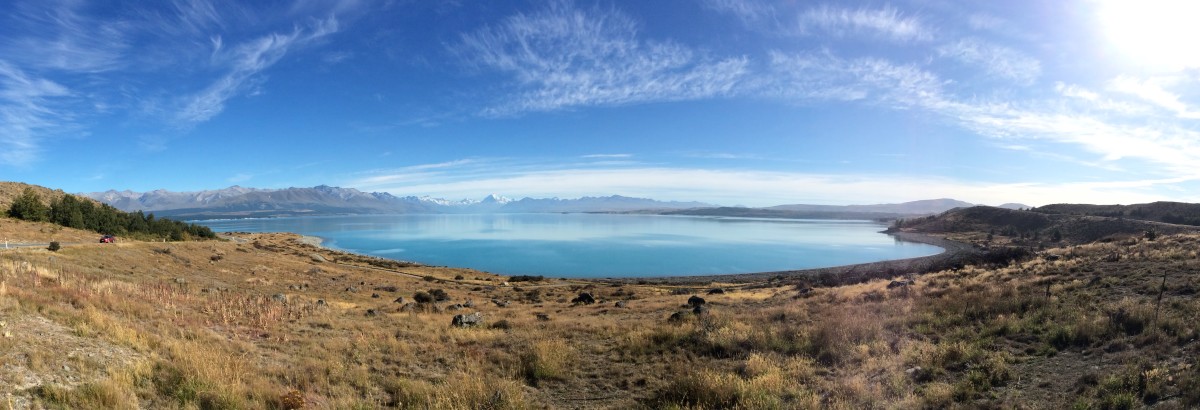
467 320
500 303
317 258
372 313
716 291
279 297
584 298
696 301
620 304
399 300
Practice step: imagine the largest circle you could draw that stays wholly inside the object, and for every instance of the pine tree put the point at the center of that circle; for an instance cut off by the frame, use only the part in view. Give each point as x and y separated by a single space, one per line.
29 207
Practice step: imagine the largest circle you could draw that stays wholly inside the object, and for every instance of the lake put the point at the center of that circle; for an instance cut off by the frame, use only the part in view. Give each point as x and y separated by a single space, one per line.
598 245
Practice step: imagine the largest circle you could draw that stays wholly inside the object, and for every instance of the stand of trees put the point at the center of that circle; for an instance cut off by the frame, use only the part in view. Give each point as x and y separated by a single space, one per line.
72 212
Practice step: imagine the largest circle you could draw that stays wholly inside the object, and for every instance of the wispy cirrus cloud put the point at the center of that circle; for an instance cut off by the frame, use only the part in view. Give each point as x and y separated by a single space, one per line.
26 113
58 36
562 58
1154 91
994 59
242 63
823 76
1103 125
886 22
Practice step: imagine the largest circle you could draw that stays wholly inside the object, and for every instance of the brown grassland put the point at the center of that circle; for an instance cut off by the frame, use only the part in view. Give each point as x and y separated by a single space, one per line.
267 321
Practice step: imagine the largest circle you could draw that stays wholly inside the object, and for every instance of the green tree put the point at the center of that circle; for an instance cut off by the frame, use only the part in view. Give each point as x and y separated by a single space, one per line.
29 207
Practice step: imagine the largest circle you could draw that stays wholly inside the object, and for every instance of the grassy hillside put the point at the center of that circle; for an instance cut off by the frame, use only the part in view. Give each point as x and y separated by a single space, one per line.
11 190
1032 228
1167 212
266 321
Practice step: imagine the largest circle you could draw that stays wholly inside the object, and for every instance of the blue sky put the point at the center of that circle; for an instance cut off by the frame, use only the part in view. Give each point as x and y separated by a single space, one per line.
728 101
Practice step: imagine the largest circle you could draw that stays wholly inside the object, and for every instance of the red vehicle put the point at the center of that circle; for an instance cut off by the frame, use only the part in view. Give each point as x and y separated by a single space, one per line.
108 239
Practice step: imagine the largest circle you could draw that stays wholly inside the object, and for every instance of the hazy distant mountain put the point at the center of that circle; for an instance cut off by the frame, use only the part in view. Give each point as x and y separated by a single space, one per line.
240 202
928 206
1013 205
615 203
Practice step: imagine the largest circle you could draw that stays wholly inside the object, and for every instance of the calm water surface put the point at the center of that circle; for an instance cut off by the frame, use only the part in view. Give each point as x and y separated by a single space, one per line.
597 245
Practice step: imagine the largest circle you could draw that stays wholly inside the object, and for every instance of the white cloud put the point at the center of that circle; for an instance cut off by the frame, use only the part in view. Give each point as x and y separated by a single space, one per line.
994 59
607 156
562 58
1153 91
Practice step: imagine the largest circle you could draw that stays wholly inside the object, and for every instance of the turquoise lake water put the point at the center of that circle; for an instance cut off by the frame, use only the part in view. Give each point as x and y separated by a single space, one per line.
598 245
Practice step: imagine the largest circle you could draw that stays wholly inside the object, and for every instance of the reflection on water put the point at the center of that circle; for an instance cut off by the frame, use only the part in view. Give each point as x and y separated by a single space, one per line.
599 245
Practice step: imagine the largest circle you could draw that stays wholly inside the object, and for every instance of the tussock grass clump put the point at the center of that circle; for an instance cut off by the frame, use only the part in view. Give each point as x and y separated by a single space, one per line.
547 360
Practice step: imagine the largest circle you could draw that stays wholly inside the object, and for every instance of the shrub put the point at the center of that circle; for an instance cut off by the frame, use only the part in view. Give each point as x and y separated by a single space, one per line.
526 278
54 246
422 297
439 295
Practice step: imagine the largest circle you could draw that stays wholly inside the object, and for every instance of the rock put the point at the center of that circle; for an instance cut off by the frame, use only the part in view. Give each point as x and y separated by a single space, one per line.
7 334
454 307
399 300
468 304
408 307
543 317
372 313
180 281
279 297
716 291
467 320
899 283
375 295
584 298
696 301
620 304
676 317
320 302
500 303
699 310
352 289
316 257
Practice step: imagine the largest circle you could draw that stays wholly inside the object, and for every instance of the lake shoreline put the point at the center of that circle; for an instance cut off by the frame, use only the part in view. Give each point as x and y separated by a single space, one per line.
953 252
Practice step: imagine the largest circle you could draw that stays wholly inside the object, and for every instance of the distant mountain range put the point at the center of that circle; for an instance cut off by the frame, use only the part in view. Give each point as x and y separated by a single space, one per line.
242 202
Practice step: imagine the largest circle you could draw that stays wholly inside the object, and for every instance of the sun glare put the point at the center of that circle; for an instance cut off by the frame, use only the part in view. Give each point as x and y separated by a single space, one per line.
1154 34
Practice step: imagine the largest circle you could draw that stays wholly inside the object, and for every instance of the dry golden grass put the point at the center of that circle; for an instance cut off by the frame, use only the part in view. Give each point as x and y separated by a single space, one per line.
265 325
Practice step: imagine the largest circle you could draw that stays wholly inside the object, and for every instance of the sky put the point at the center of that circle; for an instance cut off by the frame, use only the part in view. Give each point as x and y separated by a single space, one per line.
732 102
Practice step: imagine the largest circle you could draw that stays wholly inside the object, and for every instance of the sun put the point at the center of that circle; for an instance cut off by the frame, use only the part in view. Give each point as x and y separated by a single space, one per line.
1155 34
